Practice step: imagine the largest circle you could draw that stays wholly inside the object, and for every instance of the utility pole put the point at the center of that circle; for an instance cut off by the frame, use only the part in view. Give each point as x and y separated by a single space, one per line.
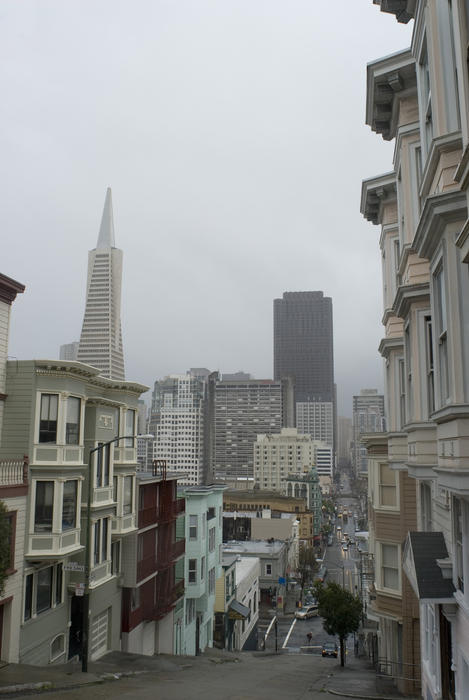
276 634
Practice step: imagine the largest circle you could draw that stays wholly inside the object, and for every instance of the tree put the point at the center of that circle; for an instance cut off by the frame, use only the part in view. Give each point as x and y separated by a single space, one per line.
340 610
306 564
4 545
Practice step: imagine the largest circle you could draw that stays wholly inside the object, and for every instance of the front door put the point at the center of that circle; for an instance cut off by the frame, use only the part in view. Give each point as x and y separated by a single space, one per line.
446 655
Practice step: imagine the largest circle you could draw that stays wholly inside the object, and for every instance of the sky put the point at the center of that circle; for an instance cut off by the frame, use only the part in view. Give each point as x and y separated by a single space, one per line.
233 136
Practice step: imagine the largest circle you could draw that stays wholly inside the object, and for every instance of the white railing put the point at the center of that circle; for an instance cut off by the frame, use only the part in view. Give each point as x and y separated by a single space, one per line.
12 472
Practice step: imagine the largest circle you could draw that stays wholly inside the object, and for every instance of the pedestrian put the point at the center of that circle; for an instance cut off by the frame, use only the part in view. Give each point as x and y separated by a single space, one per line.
310 636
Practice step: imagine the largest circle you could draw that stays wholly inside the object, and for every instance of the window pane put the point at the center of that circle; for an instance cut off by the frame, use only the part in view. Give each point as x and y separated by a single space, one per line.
107 457
104 549
97 538
129 427
58 584
69 505
44 590
127 495
99 465
44 506
72 426
48 420
28 597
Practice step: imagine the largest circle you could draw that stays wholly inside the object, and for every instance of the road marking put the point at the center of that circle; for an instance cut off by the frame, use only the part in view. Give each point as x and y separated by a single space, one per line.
284 645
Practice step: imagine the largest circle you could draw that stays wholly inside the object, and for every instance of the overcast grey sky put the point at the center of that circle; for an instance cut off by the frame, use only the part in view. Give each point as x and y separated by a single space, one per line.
232 134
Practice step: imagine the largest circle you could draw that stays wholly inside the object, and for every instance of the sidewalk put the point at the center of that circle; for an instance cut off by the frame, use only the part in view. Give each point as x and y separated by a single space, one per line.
356 680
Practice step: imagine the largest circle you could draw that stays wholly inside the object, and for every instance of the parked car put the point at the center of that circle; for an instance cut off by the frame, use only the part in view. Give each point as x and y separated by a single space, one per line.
307 612
330 649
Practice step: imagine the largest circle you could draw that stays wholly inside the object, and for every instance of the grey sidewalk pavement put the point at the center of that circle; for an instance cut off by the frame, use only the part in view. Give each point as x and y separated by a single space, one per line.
357 679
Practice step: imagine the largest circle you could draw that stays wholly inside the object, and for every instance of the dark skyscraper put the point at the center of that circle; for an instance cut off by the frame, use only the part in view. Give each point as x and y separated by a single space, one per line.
303 344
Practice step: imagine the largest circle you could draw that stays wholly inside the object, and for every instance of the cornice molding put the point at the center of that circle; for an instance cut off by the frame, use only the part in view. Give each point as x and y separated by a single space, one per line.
388 344
9 289
451 412
375 192
409 294
439 210
440 144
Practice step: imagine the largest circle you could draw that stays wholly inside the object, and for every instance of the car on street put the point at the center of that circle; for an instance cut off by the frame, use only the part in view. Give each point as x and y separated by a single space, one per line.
330 649
307 612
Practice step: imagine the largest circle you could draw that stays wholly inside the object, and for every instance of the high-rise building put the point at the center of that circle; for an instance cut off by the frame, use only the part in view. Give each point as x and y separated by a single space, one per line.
368 417
69 351
101 335
316 418
344 441
242 410
303 344
177 422
304 351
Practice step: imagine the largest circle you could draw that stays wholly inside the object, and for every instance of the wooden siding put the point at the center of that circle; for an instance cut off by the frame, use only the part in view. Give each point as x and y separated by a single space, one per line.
18 421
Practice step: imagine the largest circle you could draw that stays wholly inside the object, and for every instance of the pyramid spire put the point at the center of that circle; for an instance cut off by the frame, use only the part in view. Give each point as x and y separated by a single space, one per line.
106 230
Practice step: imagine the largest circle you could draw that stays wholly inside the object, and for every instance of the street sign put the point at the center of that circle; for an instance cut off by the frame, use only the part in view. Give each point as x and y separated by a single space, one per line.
73 566
80 589
282 581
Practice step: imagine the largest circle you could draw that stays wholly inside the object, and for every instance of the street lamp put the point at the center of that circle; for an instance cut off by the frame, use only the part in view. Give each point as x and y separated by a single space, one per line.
86 594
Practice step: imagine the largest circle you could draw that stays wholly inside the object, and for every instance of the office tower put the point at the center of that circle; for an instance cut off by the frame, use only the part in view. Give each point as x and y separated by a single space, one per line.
101 335
242 410
304 351
69 351
368 417
177 422
316 418
344 441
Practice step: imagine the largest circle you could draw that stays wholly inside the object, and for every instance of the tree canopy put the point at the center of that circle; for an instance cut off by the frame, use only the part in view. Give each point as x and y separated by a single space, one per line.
340 610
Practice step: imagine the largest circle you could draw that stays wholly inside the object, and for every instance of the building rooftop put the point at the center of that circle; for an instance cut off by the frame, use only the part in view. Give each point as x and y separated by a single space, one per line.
253 546
244 566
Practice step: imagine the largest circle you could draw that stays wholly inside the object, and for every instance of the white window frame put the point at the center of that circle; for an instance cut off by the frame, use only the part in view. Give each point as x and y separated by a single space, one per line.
392 591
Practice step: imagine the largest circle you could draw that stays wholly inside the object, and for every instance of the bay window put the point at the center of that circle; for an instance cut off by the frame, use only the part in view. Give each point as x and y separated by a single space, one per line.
44 506
48 418
441 339
69 505
390 566
128 493
43 590
129 427
103 457
72 424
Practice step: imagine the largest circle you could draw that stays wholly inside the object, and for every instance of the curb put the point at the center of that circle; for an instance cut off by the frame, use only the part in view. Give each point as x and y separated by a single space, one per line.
45 686
364 697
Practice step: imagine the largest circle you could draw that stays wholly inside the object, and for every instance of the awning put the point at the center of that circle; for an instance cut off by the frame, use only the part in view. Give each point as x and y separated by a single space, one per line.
422 564
238 611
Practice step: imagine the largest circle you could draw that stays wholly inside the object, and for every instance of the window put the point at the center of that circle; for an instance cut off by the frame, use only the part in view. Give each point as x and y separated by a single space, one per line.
192 527
458 528
128 492
43 510
202 568
211 513
116 557
268 569
390 566
101 541
69 505
408 360
211 539
211 581
135 598
11 517
441 333
192 571
28 597
401 380
429 365
44 590
190 610
426 506
425 105
129 427
387 486
103 457
72 425
48 419
59 578
57 647
254 604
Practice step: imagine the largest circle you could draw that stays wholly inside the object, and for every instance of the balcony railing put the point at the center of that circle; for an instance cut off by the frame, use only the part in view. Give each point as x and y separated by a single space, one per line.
146 567
161 514
14 471
168 555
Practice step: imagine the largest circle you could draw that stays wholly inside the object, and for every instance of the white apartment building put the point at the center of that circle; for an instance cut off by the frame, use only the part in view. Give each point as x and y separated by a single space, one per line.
280 454
177 422
316 418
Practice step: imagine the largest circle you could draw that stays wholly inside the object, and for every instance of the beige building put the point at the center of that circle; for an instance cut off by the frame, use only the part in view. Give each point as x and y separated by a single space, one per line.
278 455
420 98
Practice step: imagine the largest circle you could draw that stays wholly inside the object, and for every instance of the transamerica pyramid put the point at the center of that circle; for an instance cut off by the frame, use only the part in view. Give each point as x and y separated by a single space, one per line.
101 334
